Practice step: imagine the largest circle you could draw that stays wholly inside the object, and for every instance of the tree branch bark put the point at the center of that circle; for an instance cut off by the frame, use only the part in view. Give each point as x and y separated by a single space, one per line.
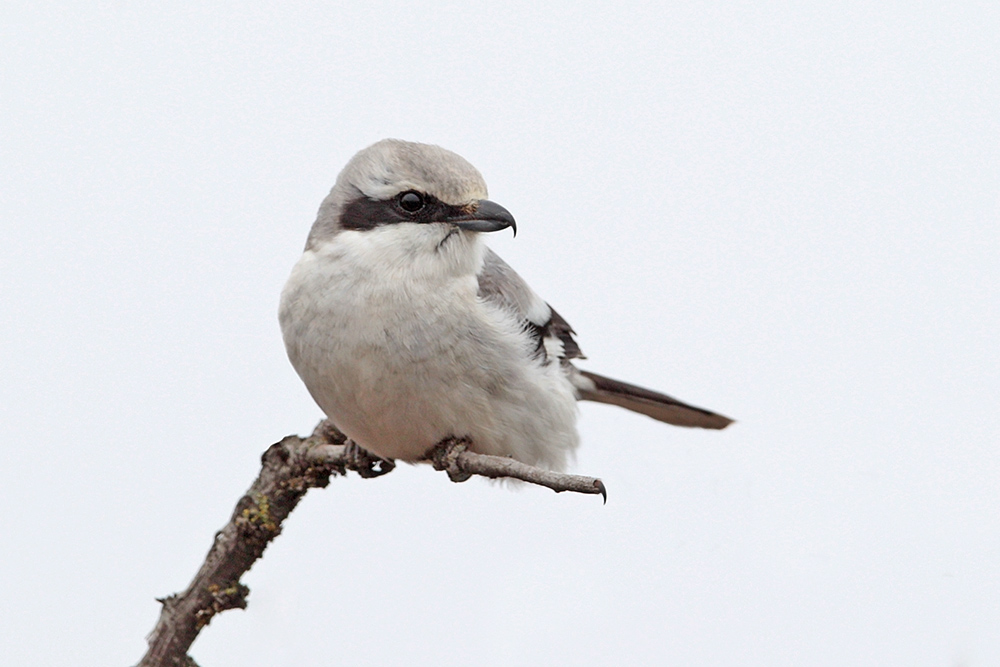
288 470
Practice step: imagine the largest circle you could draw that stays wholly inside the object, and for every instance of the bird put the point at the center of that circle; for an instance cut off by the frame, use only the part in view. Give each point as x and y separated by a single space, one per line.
407 330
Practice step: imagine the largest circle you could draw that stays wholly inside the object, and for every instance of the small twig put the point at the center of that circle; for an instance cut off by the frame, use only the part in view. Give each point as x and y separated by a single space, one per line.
288 470
452 456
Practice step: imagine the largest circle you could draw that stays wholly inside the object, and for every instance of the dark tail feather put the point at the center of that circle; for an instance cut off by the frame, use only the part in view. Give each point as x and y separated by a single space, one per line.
650 403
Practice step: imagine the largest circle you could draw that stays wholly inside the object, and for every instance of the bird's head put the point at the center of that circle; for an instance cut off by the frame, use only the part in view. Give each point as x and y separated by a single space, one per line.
398 182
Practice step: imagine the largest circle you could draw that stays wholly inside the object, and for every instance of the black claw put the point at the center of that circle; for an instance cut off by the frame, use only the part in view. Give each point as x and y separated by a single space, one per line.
600 487
365 463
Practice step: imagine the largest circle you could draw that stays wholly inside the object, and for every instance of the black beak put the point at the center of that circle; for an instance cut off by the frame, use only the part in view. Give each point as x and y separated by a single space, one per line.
483 216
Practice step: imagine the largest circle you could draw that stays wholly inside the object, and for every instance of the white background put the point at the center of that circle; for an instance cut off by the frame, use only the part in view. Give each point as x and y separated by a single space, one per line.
786 212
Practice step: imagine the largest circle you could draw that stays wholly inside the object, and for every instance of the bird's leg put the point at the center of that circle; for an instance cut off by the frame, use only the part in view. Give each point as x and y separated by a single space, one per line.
364 462
444 456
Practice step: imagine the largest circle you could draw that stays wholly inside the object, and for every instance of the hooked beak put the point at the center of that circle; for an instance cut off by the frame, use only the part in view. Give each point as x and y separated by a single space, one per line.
483 216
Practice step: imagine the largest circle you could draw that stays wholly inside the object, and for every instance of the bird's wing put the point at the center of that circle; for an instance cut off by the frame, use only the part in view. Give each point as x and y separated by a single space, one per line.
500 284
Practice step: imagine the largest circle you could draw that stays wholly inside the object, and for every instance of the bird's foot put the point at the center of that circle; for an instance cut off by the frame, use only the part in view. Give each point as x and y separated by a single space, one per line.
444 456
365 463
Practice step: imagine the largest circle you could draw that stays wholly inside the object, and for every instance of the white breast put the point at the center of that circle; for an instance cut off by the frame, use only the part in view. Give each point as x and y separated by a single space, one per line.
387 331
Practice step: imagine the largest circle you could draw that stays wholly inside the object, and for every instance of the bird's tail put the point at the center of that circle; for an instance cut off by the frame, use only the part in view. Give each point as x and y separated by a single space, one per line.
593 387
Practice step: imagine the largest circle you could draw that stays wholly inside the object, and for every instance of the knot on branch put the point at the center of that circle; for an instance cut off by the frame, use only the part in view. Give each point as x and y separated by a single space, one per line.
233 596
315 475
444 456
293 461
329 433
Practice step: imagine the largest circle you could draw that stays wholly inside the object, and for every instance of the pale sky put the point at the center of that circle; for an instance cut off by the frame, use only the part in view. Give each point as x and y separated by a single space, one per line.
785 212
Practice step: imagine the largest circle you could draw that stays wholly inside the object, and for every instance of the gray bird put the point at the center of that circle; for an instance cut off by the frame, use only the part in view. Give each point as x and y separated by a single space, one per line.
407 330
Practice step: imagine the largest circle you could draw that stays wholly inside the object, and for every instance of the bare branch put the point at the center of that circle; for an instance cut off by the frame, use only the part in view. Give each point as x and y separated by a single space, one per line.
288 470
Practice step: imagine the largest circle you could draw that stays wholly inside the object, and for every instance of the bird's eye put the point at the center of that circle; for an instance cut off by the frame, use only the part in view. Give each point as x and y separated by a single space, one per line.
411 201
